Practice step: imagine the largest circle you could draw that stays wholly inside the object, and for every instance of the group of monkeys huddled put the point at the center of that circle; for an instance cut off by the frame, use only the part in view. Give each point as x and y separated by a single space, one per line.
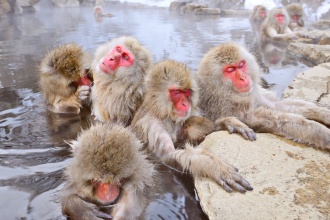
279 23
161 109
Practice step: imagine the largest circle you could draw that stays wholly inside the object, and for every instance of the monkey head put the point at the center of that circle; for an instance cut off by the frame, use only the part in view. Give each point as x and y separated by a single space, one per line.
296 13
171 90
231 68
278 17
66 60
262 12
122 57
105 158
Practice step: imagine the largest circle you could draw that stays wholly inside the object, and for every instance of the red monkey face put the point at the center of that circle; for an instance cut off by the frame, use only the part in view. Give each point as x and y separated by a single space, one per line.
106 193
237 73
280 18
119 56
295 18
181 101
262 13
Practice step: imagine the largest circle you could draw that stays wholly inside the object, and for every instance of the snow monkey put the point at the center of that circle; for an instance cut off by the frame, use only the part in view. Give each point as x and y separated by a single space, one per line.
258 15
171 98
275 27
119 69
228 77
296 14
108 177
64 80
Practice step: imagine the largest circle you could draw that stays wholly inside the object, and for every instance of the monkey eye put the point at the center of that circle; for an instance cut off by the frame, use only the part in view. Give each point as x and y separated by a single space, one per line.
241 64
126 57
187 92
230 69
118 49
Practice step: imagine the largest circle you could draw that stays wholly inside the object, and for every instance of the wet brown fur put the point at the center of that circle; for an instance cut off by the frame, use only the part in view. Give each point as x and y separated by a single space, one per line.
259 109
194 131
107 153
116 96
59 69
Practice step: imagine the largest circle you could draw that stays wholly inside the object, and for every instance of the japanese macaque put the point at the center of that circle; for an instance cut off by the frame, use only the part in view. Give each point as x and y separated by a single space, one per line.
98 13
171 98
296 14
109 176
258 15
119 69
275 27
64 78
194 130
228 77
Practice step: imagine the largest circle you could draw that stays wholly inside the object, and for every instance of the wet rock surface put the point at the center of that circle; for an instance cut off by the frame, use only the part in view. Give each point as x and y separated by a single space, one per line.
312 85
290 181
316 53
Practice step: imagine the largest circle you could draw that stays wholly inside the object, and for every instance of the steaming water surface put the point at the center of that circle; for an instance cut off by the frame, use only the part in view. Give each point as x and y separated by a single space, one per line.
33 152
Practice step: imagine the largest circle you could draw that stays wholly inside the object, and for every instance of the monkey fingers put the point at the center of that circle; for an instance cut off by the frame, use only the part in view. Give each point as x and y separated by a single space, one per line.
236 181
75 207
202 163
233 125
83 92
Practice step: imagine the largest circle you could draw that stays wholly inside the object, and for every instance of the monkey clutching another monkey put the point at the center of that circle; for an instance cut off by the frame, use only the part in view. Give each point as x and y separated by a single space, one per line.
170 99
109 176
119 67
296 14
228 77
64 80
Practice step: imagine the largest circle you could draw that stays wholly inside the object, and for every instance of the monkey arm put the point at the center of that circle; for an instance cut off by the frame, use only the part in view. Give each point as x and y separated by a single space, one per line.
289 125
287 35
198 162
307 109
201 163
232 124
75 207
71 104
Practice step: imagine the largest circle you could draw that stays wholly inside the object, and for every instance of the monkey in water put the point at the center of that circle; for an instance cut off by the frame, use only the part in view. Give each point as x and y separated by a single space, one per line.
296 14
119 68
258 15
276 26
228 77
64 79
171 97
108 177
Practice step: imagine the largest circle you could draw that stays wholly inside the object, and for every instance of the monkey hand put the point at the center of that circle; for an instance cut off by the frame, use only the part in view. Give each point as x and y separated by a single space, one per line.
76 208
202 163
229 178
83 93
292 36
233 125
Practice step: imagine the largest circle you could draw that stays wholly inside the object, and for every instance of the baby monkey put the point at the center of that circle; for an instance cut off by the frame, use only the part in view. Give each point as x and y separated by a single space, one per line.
109 176
64 81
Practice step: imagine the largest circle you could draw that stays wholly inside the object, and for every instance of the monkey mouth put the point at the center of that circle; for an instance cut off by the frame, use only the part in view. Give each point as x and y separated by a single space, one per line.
244 89
182 114
104 68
